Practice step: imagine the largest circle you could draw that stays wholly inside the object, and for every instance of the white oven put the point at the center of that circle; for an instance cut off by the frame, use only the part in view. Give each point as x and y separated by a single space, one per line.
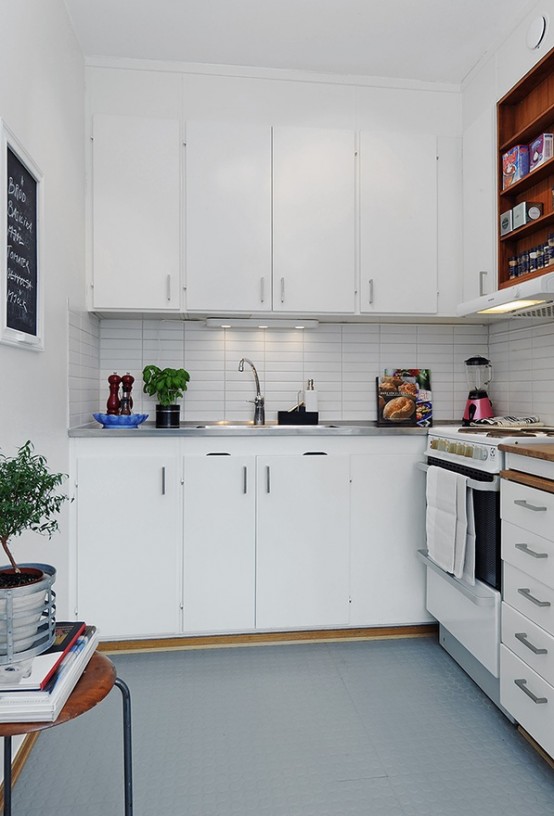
469 613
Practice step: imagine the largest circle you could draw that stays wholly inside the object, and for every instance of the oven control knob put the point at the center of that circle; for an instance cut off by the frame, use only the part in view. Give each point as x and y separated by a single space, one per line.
468 451
480 453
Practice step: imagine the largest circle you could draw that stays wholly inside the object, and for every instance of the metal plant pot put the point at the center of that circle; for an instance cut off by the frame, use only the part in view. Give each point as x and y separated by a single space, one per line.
27 615
168 416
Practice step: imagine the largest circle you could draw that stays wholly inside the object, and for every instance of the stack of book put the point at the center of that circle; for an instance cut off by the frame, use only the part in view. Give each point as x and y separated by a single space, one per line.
37 689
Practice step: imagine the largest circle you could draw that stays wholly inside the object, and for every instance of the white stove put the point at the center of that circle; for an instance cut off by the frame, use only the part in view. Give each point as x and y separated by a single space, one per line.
477 449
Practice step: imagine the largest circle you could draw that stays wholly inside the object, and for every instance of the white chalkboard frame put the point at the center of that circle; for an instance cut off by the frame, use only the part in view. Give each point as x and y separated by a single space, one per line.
33 341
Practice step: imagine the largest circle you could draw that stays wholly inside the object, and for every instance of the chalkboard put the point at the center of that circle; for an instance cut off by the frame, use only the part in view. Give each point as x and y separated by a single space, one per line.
20 190
21 255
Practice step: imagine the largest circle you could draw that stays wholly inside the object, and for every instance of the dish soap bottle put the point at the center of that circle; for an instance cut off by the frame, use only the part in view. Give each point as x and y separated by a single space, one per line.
310 397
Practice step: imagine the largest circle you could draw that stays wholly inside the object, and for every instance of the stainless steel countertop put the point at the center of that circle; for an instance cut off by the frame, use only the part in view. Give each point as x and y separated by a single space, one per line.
231 428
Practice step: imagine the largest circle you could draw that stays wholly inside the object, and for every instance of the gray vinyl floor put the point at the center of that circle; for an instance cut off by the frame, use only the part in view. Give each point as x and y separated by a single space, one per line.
374 728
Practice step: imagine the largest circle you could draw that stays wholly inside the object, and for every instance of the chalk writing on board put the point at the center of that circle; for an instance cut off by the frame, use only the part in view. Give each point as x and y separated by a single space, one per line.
21 265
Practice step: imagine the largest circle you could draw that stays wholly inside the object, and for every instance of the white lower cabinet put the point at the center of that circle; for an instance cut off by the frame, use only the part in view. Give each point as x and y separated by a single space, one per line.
129 543
527 651
195 536
302 541
387 582
219 543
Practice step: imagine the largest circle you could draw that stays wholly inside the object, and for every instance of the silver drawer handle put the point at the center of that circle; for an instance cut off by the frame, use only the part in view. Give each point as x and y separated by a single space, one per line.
244 479
536 507
527 594
522 684
522 637
528 551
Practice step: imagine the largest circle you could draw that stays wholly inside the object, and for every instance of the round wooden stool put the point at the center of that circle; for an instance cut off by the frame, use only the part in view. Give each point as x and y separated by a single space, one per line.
97 680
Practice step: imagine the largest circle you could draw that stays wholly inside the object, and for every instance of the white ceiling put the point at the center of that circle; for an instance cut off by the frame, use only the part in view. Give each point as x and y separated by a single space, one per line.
428 40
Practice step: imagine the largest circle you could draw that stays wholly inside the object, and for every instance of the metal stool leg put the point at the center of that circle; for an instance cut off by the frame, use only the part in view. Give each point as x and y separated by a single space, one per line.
127 747
7 776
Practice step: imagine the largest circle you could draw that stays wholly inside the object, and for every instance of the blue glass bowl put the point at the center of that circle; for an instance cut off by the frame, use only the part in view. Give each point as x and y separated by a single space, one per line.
123 421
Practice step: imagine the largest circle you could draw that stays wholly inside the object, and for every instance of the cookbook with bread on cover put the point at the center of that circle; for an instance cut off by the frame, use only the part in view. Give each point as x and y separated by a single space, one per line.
404 397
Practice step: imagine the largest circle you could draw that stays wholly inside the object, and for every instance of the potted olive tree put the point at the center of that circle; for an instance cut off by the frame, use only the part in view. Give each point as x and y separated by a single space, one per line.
168 385
28 501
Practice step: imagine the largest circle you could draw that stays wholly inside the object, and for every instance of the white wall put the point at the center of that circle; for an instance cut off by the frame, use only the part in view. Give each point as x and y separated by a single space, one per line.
41 100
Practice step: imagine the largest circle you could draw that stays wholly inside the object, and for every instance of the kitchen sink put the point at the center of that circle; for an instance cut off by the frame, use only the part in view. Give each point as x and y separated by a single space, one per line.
225 425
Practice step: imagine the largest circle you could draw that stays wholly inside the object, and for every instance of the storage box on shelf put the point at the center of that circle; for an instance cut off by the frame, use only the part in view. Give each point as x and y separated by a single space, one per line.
526 119
527 650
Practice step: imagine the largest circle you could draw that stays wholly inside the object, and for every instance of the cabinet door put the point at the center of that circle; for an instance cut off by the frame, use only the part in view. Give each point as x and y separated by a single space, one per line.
135 213
479 207
302 541
398 223
219 549
388 527
313 220
228 217
129 545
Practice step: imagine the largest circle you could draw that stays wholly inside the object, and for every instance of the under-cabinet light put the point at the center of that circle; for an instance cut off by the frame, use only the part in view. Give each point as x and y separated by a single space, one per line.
511 306
259 323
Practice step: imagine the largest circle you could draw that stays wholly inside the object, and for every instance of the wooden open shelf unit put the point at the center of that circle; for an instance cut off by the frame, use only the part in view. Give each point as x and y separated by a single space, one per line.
523 114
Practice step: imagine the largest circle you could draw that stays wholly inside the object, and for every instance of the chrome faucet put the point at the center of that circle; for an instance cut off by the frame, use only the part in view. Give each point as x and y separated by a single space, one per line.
259 410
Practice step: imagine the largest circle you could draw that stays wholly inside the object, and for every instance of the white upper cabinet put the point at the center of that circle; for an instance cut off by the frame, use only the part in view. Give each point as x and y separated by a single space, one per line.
398 223
228 217
479 207
313 220
136 224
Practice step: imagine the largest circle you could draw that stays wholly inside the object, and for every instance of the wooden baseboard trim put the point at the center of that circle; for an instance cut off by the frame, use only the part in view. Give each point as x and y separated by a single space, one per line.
267 638
547 758
19 762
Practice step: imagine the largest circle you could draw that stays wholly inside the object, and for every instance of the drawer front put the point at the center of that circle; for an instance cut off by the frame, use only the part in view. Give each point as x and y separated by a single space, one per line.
530 597
528 508
529 642
528 552
534 713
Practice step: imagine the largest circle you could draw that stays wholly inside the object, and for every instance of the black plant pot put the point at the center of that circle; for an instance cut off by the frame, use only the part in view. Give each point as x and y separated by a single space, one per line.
168 416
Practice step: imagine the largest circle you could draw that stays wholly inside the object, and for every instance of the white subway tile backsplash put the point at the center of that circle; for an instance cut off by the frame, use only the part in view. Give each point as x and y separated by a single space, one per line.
343 359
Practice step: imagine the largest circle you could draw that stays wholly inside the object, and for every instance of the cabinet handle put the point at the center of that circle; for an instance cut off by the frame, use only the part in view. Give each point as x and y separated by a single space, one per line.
528 551
282 290
267 480
370 290
482 275
536 507
522 684
163 481
168 287
522 637
245 479
262 290
527 594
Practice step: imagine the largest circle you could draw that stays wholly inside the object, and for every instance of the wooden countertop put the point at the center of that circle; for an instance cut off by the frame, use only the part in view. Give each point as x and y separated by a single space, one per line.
528 479
543 450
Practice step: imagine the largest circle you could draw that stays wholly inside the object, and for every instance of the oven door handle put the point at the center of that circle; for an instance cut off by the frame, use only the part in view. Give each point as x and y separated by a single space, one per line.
483 487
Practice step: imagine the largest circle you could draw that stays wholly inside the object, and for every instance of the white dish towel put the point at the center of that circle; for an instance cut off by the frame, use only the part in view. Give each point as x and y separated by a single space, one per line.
446 520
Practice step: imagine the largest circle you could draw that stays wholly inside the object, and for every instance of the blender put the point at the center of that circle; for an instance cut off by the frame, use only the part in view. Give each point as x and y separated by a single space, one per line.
478 375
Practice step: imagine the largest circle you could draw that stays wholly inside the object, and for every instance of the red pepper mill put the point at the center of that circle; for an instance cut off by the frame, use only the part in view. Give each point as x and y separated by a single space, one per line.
126 405
113 400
